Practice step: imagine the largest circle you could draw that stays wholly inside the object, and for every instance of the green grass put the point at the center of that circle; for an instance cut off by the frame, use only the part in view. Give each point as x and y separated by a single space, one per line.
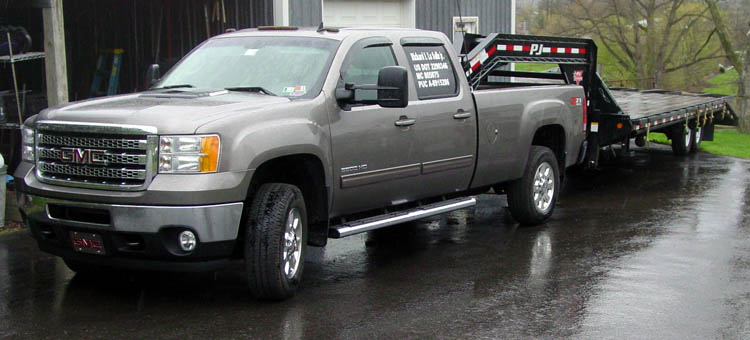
724 83
727 142
528 67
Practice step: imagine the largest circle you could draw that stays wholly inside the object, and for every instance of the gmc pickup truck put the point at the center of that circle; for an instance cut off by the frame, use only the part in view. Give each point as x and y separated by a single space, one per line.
261 142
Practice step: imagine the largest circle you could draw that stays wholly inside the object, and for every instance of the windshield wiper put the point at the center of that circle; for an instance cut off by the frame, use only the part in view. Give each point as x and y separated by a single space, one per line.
251 89
172 87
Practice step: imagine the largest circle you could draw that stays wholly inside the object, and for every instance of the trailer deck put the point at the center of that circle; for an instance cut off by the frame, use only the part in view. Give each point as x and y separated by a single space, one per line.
657 109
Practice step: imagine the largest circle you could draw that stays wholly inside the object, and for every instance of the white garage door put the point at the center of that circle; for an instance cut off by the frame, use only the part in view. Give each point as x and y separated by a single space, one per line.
351 13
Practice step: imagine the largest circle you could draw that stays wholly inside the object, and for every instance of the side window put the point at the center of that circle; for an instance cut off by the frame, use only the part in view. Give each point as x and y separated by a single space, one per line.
433 71
364 67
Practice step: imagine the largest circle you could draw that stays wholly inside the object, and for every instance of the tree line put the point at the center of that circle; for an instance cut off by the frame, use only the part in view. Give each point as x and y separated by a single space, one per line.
669 44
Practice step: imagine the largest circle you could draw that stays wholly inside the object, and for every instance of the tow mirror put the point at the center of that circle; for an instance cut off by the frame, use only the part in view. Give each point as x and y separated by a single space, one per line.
152 75
393 86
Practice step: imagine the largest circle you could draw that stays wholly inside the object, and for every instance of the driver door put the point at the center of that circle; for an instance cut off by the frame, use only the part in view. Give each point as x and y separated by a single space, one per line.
375 151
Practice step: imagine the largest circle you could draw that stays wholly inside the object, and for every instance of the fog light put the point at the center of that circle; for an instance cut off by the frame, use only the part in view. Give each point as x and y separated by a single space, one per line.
187 240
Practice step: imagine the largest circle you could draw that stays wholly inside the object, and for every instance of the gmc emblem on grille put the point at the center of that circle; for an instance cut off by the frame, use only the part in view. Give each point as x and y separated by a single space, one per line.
82 156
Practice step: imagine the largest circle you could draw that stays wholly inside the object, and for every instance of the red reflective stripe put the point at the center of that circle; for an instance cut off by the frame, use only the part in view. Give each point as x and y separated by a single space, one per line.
582 50
492 50
526 48
475 66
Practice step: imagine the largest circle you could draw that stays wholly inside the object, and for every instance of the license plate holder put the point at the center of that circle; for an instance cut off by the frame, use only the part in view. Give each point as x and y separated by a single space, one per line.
88 243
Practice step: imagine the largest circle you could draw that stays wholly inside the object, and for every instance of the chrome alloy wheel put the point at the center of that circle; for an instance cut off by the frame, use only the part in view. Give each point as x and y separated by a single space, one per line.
687 137
292 249
544 187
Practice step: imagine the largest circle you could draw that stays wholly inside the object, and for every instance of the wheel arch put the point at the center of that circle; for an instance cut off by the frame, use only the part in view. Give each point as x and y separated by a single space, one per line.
553 137
307 172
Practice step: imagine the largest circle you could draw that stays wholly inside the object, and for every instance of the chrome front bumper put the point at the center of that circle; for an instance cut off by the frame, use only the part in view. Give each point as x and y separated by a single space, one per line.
211 223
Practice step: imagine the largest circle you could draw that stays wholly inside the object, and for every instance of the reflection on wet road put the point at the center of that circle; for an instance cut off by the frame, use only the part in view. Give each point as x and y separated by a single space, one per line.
659 251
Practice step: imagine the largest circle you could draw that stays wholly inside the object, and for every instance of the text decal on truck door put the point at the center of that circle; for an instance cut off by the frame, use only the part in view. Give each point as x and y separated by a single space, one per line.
432 70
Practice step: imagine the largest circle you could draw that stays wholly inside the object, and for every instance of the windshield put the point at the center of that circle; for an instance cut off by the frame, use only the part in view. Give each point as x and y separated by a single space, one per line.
284 66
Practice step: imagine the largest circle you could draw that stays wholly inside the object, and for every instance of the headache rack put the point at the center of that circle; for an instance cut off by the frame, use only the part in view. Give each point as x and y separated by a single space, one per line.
614 115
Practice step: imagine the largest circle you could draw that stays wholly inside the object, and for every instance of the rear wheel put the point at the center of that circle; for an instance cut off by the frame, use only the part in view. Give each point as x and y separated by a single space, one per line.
681 140
532 198
275 241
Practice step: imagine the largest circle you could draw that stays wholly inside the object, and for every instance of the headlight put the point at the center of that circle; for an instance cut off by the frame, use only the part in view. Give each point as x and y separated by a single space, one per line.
27 147
188 154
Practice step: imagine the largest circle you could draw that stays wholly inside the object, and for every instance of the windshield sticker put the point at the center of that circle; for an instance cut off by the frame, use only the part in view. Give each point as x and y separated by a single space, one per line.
294 91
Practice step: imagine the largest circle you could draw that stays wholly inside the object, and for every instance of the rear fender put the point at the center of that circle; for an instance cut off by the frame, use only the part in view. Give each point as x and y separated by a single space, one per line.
537 115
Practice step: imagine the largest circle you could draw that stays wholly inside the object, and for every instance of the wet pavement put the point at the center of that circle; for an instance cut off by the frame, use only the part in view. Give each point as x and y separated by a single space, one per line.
658 249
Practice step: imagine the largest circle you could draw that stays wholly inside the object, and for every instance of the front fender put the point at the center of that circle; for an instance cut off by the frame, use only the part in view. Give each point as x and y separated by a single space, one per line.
255 137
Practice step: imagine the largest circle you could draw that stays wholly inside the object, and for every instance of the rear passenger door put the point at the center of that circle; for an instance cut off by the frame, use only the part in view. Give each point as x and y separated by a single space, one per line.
446 121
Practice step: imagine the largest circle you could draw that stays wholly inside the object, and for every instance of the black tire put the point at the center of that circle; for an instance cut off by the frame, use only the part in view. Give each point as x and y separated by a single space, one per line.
696 136
681 140
264 241
521 200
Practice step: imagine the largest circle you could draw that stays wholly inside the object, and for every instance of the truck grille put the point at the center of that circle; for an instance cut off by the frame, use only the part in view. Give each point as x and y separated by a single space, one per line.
99 156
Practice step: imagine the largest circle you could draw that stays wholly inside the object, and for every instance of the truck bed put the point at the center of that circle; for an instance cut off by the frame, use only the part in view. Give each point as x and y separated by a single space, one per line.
657 109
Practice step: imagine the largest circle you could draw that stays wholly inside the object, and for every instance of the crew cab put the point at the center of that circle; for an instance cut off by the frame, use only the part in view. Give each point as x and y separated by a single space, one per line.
264 141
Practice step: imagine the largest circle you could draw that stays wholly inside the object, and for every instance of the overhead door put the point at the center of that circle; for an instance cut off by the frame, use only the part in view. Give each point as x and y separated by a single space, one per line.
351 13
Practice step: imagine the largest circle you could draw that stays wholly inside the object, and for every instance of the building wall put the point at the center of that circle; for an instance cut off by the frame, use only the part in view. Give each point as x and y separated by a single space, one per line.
305 12
494 15
150 31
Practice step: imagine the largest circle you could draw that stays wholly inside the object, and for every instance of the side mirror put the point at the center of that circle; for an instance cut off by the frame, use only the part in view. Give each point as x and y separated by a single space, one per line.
393 87
152 75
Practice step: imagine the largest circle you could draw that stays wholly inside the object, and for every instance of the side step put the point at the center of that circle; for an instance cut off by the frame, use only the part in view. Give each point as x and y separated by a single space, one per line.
385 220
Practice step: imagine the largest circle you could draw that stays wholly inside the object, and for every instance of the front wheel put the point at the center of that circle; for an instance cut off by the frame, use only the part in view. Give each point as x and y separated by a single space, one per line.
532 198
275 241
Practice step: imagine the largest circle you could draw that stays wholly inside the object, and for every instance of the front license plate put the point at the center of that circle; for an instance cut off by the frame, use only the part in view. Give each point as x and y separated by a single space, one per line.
87 243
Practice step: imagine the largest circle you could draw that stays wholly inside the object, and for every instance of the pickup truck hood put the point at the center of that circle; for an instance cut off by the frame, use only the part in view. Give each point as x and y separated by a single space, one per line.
175 111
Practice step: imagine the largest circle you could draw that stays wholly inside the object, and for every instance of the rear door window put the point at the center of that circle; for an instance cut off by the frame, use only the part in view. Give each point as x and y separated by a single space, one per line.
434 76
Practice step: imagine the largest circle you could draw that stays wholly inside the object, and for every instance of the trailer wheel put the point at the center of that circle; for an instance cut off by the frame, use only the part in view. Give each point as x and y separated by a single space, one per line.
696 133
532 198
681 140
275 241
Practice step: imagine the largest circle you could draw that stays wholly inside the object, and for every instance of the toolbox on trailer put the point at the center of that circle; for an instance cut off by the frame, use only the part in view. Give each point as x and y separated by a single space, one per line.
613 115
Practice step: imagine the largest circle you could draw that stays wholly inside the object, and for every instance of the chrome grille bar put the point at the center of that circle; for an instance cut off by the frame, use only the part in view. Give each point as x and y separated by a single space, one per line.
107 157
90 142
91 171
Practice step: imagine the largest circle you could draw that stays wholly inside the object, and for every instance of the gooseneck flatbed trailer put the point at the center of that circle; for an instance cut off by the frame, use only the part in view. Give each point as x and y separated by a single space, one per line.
613 116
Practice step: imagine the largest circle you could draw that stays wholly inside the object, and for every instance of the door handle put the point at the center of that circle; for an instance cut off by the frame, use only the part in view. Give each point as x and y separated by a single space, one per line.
405 121
461 114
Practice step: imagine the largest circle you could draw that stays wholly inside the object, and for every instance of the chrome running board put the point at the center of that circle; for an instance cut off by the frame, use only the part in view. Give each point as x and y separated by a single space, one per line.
385 220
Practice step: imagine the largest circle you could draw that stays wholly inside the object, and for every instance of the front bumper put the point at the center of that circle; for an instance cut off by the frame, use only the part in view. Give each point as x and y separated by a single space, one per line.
138 237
